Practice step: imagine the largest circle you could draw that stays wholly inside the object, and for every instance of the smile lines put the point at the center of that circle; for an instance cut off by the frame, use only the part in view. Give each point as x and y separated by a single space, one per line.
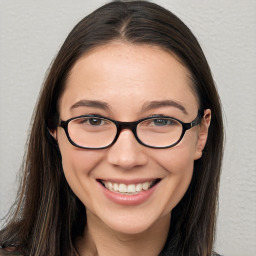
129 189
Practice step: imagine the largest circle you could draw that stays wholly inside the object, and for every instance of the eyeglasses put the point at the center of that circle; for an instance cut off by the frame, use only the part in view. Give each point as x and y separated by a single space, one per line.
97 132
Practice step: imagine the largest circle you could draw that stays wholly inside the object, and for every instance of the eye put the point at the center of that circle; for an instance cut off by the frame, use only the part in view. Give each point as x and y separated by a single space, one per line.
160 122
163 122
95 121
92 121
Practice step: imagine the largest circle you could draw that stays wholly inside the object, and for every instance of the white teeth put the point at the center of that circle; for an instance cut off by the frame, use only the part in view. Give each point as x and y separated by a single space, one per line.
145 185
122 188
109 185
139 187
131 188
127 189
115 187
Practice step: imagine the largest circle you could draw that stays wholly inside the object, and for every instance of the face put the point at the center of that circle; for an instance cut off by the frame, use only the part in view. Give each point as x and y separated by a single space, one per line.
124 79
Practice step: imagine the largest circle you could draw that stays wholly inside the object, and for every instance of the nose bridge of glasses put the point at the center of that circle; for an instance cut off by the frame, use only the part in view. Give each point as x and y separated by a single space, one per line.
126 125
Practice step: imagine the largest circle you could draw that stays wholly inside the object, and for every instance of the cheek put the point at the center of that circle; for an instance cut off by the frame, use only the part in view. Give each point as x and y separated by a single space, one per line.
178 160
178 164
77 164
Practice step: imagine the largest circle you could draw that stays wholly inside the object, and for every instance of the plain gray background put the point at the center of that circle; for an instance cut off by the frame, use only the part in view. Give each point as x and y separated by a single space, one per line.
33 31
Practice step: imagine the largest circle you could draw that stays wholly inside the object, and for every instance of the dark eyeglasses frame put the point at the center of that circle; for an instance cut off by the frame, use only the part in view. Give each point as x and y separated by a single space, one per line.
132 126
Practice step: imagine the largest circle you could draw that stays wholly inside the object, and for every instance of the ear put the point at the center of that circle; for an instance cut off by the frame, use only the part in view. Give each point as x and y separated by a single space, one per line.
203 134
53 133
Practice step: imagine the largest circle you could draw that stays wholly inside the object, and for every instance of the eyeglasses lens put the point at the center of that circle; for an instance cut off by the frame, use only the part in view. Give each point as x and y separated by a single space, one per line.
95 132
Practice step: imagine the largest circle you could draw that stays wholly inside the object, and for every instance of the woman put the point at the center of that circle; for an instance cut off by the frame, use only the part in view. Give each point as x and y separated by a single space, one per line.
126 145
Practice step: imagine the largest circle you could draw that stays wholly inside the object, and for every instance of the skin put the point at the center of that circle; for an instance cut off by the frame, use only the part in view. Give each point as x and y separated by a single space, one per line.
127 77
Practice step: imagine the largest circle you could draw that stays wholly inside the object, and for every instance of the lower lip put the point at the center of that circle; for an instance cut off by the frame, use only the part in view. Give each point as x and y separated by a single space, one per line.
128 199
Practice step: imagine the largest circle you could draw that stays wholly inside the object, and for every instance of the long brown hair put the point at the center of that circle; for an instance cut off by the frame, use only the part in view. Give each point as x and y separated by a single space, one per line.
47 216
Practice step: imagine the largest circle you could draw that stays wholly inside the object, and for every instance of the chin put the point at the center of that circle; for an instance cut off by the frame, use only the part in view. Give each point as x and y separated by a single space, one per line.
133 225
131 228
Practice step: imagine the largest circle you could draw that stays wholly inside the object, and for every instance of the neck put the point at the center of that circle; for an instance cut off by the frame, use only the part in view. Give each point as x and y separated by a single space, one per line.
100 240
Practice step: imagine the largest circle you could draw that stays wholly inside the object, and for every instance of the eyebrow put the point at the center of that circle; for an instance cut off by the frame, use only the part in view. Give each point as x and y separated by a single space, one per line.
91 103
146 106
165 103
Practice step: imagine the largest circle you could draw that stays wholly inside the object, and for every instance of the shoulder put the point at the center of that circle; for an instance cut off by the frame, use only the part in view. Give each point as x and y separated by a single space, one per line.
4 252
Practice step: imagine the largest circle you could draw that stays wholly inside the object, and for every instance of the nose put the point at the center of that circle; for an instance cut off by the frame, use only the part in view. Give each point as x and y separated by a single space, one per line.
126 152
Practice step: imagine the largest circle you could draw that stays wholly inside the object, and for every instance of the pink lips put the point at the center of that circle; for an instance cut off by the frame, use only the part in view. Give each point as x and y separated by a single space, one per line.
128 200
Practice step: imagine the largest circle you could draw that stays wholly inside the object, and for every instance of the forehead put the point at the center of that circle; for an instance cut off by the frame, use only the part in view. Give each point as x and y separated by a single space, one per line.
123 73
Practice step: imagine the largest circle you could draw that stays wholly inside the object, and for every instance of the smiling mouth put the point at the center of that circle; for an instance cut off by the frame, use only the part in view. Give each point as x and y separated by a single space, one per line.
130 189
